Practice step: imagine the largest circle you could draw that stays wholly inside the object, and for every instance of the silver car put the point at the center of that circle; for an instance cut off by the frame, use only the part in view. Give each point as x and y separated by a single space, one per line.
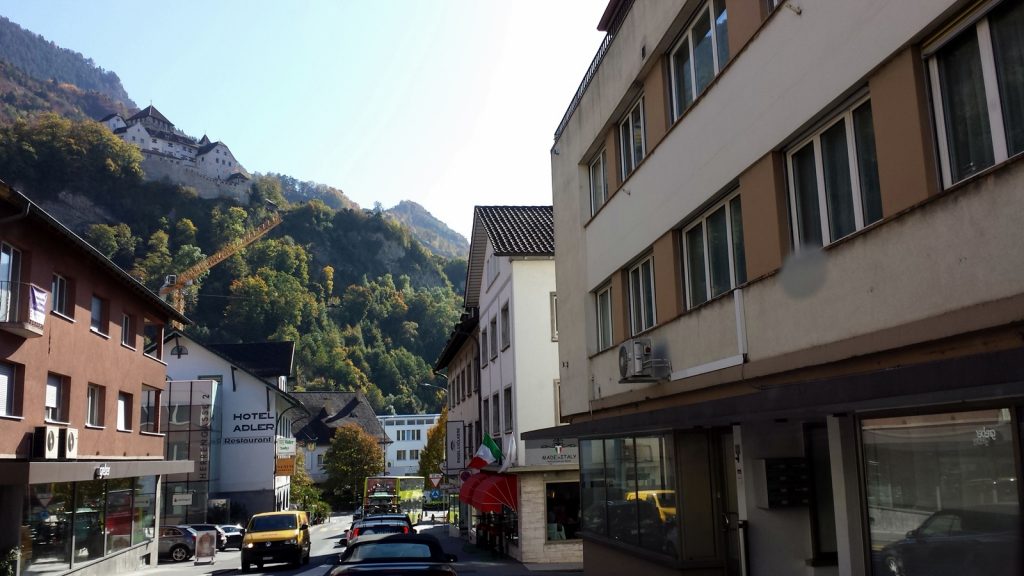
177 542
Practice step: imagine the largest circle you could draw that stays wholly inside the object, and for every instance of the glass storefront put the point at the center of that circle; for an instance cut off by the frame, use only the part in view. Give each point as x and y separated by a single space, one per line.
79 522
629 490
942 495
563 510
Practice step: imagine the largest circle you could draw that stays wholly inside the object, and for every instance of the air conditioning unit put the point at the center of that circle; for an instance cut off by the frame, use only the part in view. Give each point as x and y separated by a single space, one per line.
45 443
69 443
635 359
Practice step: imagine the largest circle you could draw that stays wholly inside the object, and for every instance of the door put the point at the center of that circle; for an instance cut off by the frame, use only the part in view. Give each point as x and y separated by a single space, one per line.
726 501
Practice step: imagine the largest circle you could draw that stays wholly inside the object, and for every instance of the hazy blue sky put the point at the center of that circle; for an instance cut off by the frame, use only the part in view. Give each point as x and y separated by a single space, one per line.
450 103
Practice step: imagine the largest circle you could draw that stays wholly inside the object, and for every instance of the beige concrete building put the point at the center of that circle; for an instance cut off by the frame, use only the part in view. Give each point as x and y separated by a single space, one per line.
791 287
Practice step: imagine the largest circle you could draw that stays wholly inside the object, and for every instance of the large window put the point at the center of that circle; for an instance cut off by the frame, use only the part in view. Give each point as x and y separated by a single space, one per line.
58 388
714 258
632 139
598 183
10 281
699 55
628 491
641 296
833 179
942 494
61 299
99 315
978 93
604 318
149 410
94 398
562 501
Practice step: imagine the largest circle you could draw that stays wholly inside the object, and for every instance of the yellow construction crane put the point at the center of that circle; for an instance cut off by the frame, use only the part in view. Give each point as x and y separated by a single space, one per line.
175 283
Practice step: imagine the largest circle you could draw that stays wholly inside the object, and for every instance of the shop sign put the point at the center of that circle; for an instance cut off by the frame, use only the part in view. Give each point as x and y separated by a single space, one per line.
285 447
284 466
551 452
455 442
102 471
181 499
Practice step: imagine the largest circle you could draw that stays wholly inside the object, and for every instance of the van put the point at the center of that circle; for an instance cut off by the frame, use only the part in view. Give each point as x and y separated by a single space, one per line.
663 500
276 537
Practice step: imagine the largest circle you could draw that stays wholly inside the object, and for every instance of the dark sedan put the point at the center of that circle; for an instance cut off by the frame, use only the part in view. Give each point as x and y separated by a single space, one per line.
387 554
953 542
233 534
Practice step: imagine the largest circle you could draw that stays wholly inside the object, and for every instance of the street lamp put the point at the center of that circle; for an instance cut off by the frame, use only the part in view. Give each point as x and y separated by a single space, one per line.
429 385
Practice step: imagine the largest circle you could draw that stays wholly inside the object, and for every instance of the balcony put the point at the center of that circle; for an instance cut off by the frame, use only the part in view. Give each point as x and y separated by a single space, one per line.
22 309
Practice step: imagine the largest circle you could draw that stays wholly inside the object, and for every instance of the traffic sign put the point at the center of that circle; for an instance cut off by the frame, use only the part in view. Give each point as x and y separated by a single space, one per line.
435 479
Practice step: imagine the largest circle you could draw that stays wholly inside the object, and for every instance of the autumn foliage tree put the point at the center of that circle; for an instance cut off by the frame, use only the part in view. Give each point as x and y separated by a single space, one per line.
433 455
353 456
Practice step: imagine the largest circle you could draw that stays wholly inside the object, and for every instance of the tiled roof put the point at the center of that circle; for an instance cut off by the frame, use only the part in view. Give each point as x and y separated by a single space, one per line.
331 410
109 116
170 136
150 112
518 230
263 359
207 147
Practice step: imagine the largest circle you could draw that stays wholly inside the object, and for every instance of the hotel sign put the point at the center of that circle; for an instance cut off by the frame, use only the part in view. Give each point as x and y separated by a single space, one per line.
552 452
455 445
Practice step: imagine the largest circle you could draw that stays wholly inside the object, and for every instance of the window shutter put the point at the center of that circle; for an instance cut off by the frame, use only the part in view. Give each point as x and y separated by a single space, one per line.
52 391
6 389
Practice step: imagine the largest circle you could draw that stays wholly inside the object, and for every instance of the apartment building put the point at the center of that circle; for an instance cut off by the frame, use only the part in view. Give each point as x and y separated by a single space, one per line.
82 375
791 287
408 438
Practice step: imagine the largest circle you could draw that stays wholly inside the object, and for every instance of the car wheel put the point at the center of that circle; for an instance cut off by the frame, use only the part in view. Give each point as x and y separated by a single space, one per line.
179 553
892 564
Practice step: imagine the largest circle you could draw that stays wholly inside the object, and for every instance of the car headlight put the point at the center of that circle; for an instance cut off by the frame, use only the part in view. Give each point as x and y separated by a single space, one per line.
292 541
248 544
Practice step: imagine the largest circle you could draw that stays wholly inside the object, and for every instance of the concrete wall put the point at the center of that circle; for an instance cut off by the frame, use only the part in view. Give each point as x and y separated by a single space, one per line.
185 173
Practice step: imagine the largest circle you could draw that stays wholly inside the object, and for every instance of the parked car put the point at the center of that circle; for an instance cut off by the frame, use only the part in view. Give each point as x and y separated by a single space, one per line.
983 540
222 539
373 525
233 535
407 554
276 537
177 542
358 514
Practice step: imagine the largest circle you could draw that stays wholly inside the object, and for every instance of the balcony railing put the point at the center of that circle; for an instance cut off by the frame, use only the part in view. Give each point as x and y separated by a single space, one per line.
22 309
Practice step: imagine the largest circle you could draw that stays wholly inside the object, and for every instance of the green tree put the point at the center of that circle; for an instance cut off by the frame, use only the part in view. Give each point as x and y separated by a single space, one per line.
156 264
433 455
115 242
304 494
353 456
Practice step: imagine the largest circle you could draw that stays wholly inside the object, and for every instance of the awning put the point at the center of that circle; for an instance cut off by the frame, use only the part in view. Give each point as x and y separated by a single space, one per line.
469 485
496 491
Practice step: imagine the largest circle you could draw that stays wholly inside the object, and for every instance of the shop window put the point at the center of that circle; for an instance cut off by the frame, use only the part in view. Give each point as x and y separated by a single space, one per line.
118 515
89 521
939 485
46 541
562 502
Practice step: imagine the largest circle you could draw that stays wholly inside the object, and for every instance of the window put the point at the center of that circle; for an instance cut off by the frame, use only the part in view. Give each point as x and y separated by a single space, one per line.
833 179
414 454
604 318
128 330
8 388
495 414
417 434
10 281
149 410
978 94
483 347
506 338
714 260
699 56
598 183
320 460
61 300
400 455
553 305
494 338
563 510
153 339
950 480
632 139
641 296
94 398
56 400
124 411
98 318
508 408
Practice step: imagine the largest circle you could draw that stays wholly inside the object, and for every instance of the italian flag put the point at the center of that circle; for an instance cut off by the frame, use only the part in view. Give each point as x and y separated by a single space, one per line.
487 453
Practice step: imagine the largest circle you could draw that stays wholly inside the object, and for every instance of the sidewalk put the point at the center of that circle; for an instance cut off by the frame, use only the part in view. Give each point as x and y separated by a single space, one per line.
474 559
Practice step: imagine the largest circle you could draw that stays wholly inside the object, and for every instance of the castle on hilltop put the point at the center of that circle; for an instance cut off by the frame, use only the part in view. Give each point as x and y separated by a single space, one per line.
169 153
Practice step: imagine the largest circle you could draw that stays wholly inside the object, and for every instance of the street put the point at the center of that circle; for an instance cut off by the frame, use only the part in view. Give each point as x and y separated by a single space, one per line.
324 553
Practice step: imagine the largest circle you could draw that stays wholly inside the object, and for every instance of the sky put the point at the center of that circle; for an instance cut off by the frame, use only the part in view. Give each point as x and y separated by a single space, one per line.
448 103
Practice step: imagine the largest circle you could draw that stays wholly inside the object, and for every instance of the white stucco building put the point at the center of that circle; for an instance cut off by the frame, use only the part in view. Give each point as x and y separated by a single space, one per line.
226 407
408 435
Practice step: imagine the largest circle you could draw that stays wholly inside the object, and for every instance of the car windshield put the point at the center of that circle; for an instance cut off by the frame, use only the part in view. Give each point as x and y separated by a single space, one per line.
270 523
389 551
